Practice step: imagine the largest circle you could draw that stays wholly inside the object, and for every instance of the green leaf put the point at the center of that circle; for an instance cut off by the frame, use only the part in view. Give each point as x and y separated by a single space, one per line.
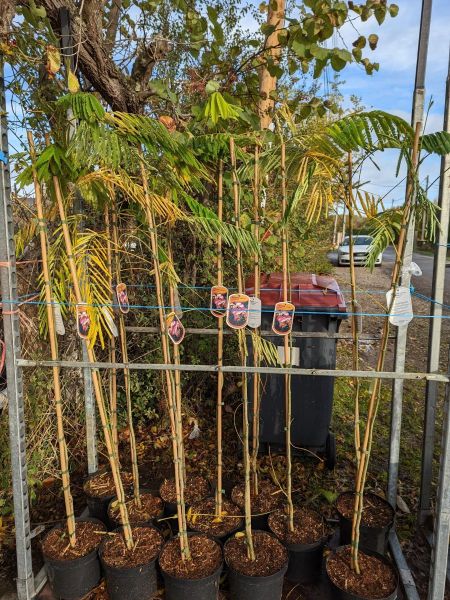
212 86
360 42
267 29
436 143
337 63
393 10
373 41
329 496
357 53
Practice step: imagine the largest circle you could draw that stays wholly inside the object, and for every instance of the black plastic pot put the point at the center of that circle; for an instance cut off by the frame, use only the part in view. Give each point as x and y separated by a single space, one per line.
115 524
373 539
132 583
206 588
98 507
220 538
170 509
339 594
73 579
305 561
244 587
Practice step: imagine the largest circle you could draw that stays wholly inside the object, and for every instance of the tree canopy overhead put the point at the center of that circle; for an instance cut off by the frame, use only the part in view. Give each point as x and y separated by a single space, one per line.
166 56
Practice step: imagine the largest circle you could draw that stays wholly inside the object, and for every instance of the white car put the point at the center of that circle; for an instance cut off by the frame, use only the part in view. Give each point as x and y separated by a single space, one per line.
361 249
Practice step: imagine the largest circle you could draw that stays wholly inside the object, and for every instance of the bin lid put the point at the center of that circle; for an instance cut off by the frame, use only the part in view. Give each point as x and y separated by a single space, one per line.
307 291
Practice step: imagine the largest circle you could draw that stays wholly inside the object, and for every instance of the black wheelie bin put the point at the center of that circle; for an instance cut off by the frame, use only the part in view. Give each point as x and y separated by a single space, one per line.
319 307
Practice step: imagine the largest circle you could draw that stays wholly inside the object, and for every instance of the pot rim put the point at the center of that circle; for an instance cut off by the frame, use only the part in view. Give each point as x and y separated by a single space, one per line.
121 569
60 525
216 537
369 493
168 502
191 534
299 546
137 524
380 557
91 476
282 570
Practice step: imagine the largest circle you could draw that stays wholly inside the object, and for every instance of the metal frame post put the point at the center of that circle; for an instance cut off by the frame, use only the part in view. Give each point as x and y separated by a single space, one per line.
402 332
8 277
434 342
441 534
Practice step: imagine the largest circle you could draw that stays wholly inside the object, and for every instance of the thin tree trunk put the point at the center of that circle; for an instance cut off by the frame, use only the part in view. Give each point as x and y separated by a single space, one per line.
287 353
176 440
126 371
62 445
374 401
267 82
243 353
219 491
106 425
112 340
354 304
256 357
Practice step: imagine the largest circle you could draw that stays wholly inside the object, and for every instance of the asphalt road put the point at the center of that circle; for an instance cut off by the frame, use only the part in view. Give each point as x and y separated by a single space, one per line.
423 283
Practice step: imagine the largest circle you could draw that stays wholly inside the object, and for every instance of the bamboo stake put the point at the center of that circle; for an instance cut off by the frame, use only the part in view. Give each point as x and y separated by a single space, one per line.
106 426
176 440
243 353
355 328
287 353
63 456
256 357
126 371
374 401
219 490
178 403
112 340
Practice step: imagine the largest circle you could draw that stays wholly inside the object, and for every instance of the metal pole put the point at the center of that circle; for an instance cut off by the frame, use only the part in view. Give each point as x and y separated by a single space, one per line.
402 331
74 364
8 276
89 403
439 552
434 343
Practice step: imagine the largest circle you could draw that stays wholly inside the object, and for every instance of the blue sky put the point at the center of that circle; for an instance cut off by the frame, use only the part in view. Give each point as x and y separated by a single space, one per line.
391 88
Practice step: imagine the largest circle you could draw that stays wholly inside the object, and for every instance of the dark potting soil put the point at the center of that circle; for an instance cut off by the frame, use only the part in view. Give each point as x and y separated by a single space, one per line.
147 544
309 526
268 498
376 580
376 512
270 555
151 506
88 537
197 488
206 556
102 485
202 517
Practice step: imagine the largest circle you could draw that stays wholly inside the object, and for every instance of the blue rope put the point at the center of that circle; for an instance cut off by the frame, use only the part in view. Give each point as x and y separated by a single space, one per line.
207 309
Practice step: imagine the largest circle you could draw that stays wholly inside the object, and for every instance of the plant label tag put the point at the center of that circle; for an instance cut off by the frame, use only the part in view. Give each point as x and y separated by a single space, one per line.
254 312
175 328
83 321
109 321
219 300
294 355
237 311
283 318
122 298
59 323
401 312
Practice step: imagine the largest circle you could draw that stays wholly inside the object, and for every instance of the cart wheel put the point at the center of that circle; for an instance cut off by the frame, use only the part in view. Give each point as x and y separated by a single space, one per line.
330 452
